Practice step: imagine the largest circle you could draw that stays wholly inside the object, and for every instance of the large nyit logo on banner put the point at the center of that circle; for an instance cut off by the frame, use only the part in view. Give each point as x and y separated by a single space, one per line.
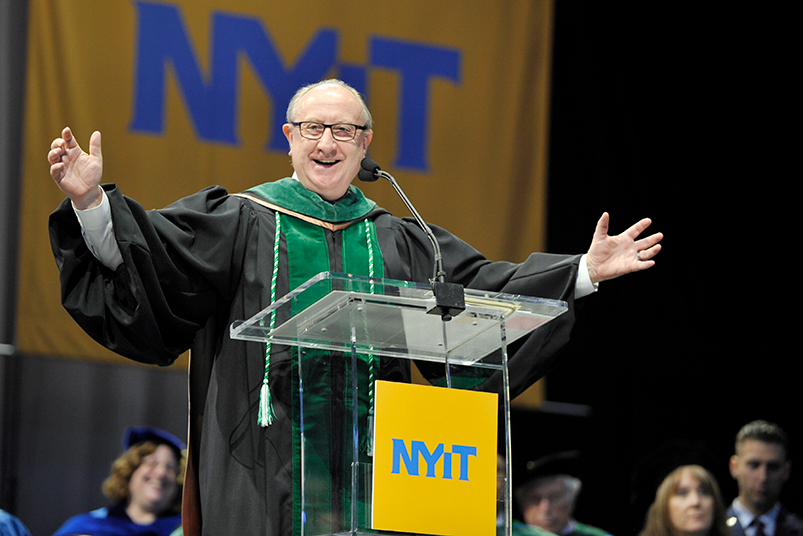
434 460
163 45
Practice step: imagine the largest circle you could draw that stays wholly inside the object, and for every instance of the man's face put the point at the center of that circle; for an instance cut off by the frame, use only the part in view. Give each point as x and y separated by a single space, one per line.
549 505
327 166
760 469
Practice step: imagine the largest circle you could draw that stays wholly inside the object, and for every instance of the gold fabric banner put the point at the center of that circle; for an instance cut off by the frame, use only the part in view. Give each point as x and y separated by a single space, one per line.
193 93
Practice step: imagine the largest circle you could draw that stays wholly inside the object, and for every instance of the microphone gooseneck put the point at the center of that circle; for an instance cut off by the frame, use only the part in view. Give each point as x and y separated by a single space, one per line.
449 297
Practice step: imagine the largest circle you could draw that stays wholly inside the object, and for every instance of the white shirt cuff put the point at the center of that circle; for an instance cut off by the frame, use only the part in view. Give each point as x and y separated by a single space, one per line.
98 233
583 286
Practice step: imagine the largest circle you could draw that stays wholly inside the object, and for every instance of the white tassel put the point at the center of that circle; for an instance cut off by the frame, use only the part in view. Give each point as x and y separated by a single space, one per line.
266 413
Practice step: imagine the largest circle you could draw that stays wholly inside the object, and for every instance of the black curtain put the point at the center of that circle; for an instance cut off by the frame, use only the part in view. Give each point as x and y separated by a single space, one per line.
683 113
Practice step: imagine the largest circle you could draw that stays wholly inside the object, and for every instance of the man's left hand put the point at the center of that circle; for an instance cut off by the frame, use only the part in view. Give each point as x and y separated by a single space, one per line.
612 256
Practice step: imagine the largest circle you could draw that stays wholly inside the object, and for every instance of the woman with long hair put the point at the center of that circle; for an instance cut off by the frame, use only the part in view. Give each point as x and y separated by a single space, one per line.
687 503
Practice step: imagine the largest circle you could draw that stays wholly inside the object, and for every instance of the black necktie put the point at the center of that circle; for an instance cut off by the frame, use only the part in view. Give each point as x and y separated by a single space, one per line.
759 527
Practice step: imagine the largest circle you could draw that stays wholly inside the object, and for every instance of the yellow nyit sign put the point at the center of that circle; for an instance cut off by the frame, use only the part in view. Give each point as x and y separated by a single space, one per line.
434 460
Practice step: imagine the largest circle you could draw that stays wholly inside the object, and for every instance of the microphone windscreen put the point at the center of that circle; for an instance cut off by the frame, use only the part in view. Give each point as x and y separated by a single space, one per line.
368 171
366 176
369 165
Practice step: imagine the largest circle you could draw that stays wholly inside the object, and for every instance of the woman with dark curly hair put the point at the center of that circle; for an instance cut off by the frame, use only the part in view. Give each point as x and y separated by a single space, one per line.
144 486
687 503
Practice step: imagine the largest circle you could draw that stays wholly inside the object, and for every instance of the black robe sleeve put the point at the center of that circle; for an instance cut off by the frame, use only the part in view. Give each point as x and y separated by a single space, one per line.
408 256
179 265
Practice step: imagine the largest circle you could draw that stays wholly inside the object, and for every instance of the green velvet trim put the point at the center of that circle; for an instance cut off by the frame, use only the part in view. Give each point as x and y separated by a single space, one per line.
308 255
358 257
289 193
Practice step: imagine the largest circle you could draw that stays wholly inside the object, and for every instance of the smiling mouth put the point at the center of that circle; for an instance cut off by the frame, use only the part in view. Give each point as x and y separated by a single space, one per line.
326 162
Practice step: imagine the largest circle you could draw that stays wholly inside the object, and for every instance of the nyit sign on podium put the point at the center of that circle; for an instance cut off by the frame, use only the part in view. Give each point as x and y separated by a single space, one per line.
418 450
434 460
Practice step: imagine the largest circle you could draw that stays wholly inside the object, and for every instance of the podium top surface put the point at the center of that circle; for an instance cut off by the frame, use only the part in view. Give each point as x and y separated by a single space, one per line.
387 317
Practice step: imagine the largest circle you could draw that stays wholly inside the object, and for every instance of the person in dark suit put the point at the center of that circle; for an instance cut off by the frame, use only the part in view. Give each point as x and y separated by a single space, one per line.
761 468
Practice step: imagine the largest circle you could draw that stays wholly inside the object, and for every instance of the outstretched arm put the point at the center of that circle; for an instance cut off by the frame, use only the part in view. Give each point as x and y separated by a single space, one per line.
612 256
77 173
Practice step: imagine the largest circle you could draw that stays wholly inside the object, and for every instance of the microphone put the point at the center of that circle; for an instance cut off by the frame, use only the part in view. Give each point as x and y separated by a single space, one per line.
449 297
368 171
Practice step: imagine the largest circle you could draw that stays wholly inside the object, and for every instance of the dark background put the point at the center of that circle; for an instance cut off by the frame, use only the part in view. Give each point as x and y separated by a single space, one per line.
684 114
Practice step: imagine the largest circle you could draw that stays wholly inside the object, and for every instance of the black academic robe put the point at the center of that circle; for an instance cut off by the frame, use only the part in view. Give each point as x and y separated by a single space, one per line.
193 268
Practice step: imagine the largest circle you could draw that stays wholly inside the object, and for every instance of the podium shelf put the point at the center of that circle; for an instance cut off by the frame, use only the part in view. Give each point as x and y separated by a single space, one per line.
390 318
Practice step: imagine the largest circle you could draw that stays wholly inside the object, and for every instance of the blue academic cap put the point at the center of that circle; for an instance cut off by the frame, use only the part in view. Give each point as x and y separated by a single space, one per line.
135 435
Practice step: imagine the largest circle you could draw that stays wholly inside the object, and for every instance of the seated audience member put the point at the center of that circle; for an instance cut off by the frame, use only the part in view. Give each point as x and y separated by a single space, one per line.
761 467
144 487
548 497
11 526
517 527
687 503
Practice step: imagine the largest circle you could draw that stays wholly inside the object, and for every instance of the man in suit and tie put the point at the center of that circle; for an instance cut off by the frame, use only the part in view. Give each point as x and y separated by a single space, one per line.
760 467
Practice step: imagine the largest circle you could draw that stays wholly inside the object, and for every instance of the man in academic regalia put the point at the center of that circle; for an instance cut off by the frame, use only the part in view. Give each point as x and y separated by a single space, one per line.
151 284
548 495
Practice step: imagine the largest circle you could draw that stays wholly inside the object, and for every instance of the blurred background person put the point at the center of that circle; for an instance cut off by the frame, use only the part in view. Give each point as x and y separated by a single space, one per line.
518 528
548 496
761 467
11 526
144 486
687 503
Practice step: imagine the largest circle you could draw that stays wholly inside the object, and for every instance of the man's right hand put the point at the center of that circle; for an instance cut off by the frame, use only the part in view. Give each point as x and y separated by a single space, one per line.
77 173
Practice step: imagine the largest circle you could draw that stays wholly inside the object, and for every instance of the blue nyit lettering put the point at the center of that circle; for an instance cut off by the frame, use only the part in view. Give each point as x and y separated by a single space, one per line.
418 450
211 95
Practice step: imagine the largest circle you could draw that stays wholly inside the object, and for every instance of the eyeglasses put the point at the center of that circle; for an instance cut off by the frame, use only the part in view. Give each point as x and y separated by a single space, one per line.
313 130
151 462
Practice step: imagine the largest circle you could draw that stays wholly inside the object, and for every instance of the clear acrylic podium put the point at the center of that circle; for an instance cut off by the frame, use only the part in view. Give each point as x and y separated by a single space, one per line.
349 322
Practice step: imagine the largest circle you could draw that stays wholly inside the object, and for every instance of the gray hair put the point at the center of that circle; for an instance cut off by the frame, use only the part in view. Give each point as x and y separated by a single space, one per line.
571 486
293 104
